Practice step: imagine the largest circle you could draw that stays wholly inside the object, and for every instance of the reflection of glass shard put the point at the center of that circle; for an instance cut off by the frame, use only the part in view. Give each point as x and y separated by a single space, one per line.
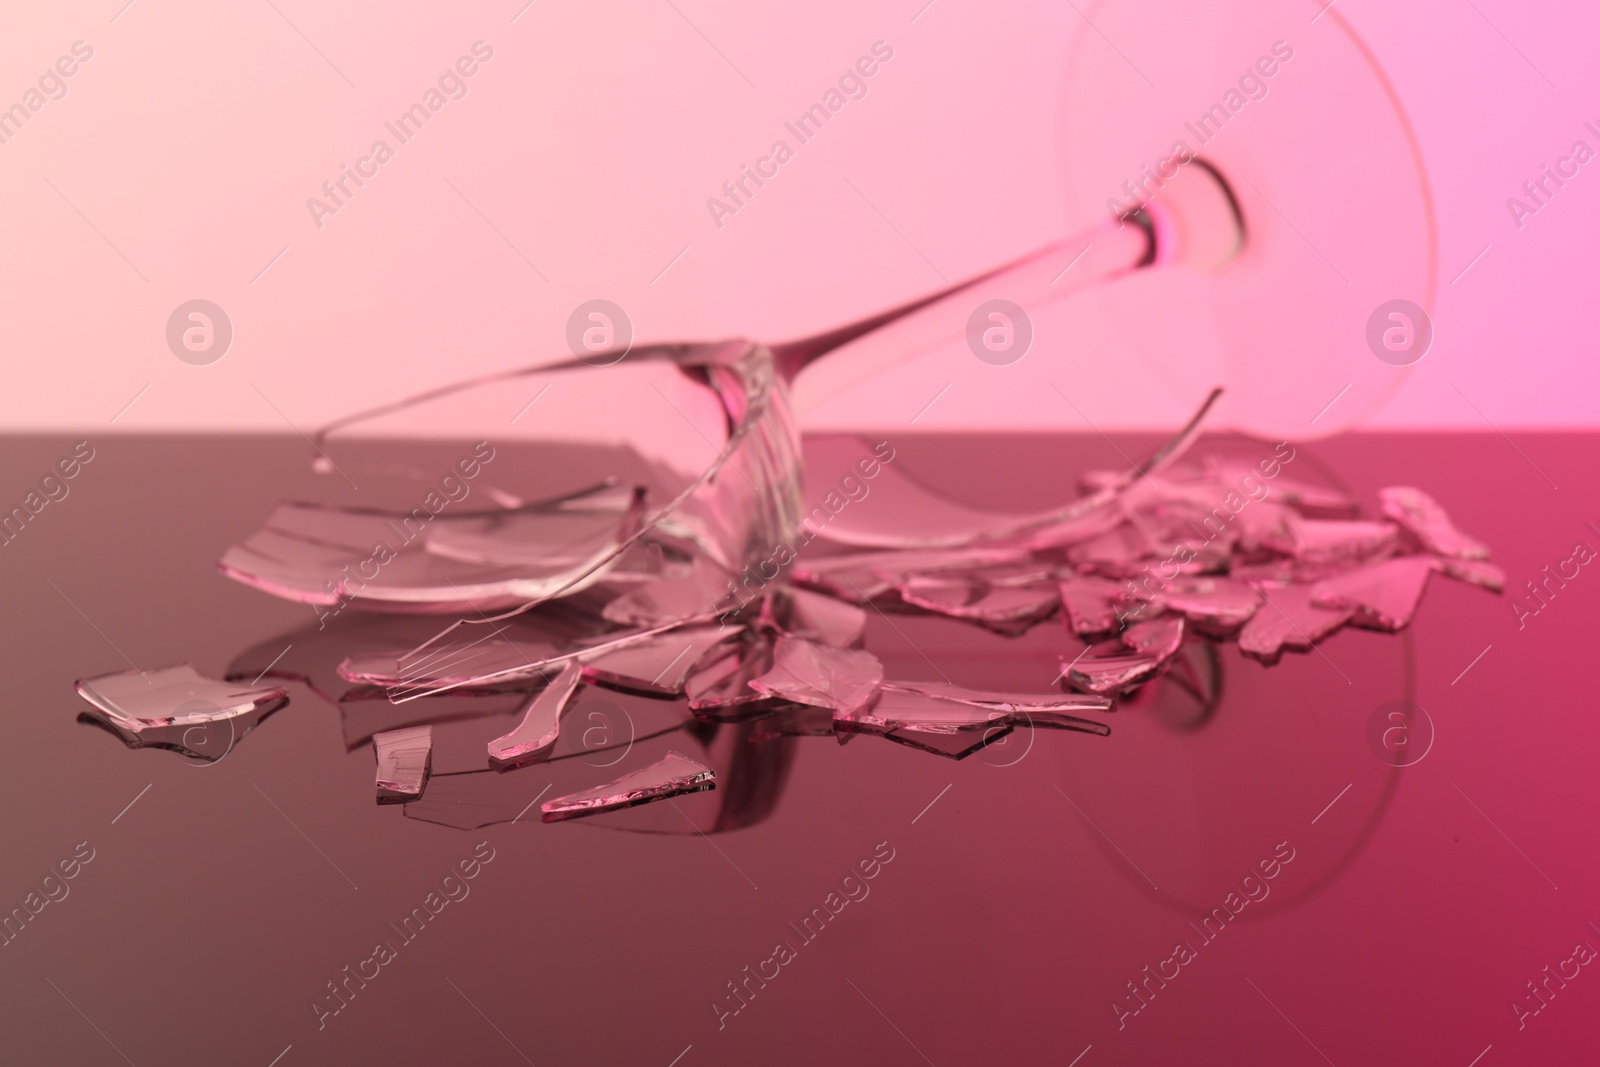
672 775
1383 595
540 727
1036 706
1425 520
404 760
805 672
177 707
1288 620
659 664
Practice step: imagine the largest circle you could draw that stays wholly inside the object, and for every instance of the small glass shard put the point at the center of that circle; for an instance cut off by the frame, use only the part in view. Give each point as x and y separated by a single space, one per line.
1384 596
955 745
1475 571
1341 541
971 597
805 672
1216 605
705 589
719 689
405 758
659 664
861 576
540 727
1114 673
1425 520
179 708
1158 637
1092 605
672 775
1288 620
814 616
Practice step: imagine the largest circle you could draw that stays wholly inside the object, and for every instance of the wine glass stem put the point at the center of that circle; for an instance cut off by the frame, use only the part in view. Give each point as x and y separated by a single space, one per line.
1115 247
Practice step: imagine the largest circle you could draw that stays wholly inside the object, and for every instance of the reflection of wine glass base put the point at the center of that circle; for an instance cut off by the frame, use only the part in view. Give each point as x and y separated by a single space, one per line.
1197 803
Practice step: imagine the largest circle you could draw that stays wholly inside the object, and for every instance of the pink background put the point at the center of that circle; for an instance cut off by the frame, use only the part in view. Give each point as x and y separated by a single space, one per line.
591 141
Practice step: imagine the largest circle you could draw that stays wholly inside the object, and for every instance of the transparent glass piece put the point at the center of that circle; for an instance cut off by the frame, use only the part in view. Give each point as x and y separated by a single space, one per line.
1384 596
419 561
1288 620
484 660
1216 605
963 596
178 708
1337 541
405 758
805 672
704 589
659 664
1476 571
1158 637
908 709
1116 673
719 689
1427 521
862 576
540 727
814 616
672 775
1091 604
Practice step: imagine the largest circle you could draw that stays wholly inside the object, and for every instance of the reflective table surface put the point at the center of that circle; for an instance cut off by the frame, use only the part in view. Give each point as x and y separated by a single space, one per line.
1254 883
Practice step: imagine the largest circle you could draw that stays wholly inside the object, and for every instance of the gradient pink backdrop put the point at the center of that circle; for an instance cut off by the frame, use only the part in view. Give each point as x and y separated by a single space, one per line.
179 163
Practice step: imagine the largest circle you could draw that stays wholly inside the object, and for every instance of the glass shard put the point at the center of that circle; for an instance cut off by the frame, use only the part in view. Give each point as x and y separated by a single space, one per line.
719 689
1476 571
1092 605
1288 620
1158 637
1384 596
1217 606
387 562
954 745
1008 608
540 727
178 708
659 664
703 590
1425 520
815 617
805 672
672 775
404 760
1110 673
1342 541
862 576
